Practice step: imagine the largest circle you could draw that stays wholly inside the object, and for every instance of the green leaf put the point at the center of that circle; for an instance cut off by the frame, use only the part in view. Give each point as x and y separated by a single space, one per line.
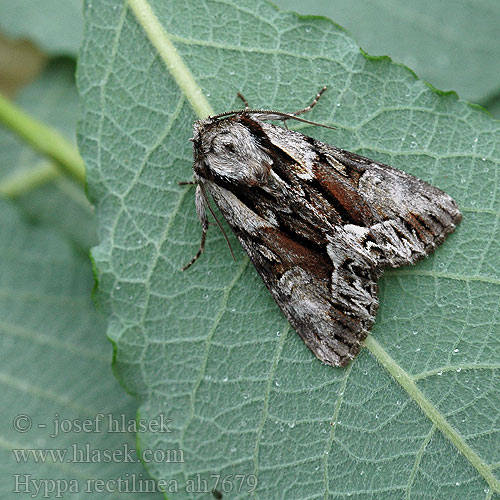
54 25
32 179
494 107
453 45
415 415
55 368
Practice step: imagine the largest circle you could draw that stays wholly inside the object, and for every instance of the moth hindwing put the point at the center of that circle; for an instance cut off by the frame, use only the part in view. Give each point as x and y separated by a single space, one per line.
319 223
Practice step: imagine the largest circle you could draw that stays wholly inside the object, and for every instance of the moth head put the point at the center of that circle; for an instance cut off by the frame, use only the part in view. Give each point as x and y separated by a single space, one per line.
230 149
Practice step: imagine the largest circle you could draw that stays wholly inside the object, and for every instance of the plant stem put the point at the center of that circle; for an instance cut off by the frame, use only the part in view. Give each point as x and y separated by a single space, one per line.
43 138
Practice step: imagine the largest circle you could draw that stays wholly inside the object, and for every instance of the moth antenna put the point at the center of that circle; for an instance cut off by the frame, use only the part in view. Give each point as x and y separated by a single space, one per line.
222 230
271 115
268 114
245 102
311 106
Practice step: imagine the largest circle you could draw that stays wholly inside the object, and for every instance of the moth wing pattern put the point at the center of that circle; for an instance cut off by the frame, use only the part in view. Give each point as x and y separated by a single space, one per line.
301 281
321 227
402 218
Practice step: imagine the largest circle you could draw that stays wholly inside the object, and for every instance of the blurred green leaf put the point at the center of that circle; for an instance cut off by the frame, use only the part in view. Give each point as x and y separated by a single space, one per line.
55 200
55 366
453 45
494 107
54 25
209 346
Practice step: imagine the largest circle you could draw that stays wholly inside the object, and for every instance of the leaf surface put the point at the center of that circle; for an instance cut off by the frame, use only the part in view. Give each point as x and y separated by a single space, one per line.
415 415
55 374
453 45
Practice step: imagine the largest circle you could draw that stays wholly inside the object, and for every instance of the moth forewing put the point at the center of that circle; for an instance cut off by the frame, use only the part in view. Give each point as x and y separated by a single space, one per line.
319 223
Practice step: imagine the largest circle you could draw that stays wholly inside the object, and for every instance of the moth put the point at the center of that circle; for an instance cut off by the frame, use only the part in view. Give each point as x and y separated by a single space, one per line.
319 223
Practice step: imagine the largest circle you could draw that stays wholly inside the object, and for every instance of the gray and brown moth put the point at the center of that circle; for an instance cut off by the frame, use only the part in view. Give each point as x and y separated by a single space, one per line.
319 223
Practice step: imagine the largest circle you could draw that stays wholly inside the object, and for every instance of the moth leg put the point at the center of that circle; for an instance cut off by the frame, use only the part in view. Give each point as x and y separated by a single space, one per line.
311 106
245 102
187 183
200 203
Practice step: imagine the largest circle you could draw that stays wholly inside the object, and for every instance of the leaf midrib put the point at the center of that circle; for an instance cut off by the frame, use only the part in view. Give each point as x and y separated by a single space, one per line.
161 40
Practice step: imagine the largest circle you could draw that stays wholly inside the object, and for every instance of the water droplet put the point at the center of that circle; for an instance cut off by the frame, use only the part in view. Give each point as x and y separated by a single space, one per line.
117 287
398 402
225 379
459 370
291 425
338 105
362 472
308 29
415 332
455 350
233 450
413 145
276 383
483 159
245 395
208 94
418 349
376 416
476 139
278 334
440 373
